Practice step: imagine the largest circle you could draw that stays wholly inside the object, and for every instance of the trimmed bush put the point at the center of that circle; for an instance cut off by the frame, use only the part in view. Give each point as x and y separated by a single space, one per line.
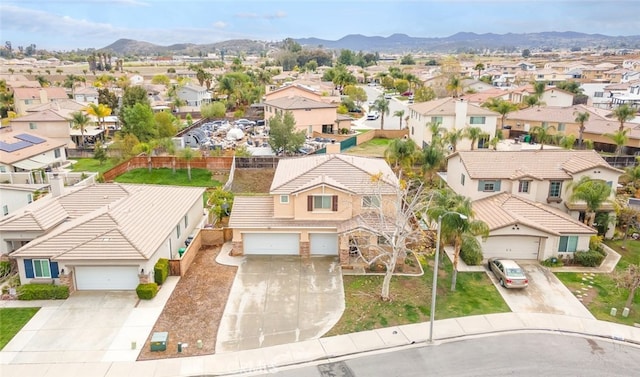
147 291
29 292
471 257
552 262
591 258
161 271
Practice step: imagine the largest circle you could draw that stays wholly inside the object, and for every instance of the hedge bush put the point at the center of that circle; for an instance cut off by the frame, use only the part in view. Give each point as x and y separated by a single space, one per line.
552 262
161 271
591 258
147 291
471 257
42 292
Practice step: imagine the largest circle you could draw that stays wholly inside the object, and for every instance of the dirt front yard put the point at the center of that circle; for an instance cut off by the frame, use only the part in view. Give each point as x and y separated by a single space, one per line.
195 308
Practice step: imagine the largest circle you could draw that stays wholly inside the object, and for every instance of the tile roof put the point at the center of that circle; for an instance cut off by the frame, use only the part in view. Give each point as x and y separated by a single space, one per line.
503 210
541 164
48 115
25 149
298 102
130 228
447 106
52 93
257 212
353 173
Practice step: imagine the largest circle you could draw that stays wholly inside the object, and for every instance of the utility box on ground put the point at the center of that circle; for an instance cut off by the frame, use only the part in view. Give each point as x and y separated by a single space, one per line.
159 341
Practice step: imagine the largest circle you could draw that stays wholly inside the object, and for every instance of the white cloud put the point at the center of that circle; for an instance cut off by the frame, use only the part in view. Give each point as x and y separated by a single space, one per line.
220 24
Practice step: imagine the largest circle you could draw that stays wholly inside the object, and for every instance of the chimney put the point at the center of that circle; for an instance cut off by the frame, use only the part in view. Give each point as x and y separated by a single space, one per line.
461 114
57 185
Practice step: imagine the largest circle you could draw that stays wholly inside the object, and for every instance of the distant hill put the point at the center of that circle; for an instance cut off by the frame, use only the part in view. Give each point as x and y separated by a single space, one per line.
395 43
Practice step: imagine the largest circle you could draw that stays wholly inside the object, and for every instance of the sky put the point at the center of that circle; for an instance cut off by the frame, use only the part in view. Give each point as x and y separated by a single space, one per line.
72 24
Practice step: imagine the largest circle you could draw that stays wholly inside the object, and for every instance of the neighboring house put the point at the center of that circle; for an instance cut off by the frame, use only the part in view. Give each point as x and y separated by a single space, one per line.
317 91
542 177
451 114
13 197
86 95
316 204
25 152
52 124
194 95
104 236
310 115
26 98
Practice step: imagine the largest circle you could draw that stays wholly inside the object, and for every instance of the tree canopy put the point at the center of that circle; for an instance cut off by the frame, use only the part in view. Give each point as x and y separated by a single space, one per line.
283 137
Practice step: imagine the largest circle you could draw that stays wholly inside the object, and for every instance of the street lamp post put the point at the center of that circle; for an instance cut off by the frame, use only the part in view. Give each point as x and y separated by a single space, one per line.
432 314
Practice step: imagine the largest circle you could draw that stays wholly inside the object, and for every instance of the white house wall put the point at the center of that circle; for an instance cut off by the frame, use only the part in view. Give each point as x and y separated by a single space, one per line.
14 199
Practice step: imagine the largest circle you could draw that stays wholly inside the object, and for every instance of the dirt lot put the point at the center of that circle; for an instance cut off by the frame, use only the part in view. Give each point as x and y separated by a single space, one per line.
254 181
195 308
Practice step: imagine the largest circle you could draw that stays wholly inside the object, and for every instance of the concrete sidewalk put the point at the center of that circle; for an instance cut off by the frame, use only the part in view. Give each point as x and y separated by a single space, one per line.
269 359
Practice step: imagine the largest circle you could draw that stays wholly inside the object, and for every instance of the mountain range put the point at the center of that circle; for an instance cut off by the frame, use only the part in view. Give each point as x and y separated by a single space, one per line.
397 43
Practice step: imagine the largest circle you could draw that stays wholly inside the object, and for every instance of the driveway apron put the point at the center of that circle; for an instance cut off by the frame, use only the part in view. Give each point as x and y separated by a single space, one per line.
545 294
281 299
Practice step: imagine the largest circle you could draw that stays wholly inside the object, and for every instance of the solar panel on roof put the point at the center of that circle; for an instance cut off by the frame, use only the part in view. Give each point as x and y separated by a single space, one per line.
12 147
30 138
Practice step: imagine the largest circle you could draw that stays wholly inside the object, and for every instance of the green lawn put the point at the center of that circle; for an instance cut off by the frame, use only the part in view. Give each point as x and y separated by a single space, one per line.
607 294
90 165
372 148
411 299
165 176
12 320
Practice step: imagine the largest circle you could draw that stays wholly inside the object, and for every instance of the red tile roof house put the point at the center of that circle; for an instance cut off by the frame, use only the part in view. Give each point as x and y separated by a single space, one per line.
316 204
523 197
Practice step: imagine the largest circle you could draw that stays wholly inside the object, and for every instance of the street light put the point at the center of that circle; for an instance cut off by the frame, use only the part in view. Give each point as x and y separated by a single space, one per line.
435 271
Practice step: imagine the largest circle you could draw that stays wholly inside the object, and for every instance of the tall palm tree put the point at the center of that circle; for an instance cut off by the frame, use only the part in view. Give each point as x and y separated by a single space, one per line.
188 154
399 114
473 134
436 130
454 86
382 105
620 139
581 118
431 159
539 87
479 67
99 111
453 137
543 134
500 106
594 192
401 152
623 113
80 121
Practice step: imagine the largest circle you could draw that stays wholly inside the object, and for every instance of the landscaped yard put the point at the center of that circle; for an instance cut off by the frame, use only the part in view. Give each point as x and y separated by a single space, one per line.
605 295
372 148
12 320
165 176
91 165
411 299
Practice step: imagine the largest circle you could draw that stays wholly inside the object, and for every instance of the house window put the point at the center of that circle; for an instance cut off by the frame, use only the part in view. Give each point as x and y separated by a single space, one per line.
178 231
568 244
489 186
5 210
3 169
555 188
545 124
322 202
186 221
561 127
436 120
370 201
477 120
33 126
523 186
284 199
41 268
462 177
29 198
598 94
56 153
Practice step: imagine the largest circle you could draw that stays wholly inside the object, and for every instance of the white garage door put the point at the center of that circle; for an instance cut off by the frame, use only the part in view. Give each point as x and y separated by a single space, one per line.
323 243
271 243
107 278
511 247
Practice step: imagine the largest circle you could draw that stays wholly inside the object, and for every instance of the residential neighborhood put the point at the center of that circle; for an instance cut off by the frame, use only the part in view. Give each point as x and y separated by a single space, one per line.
236 211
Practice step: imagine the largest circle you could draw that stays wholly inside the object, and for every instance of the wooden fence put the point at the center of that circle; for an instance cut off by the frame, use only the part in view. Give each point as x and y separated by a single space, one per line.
204 238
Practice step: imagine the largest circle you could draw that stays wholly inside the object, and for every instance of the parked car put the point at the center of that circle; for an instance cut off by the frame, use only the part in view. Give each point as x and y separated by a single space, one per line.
407 94
244 122
387 96
508 273
373 115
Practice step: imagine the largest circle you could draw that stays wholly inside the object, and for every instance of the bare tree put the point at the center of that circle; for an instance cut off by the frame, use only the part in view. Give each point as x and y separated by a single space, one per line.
629 279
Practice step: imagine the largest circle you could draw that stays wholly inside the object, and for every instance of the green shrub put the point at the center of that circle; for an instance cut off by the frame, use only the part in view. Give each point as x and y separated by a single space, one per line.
147 291
591 258
595 243
472 256
29 292
5 268
161 271
552 262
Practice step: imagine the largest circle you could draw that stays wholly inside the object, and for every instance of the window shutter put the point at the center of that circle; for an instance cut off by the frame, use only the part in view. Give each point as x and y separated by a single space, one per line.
334 204
55 273
28 269
497 186
480 185
309 203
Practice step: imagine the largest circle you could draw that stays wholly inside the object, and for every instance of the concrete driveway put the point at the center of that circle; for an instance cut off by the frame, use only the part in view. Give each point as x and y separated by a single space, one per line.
545 294
281 299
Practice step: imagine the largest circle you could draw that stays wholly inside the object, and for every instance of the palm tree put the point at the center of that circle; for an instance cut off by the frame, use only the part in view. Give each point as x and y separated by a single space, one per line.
581 118
382 105
531 101
431 159
473 134
631 177
620 139
543 134
624 113
539 87
454 86
594 192
189 154
453 137
399 114
401 152
479 67
567 141
500 106
436 130
80 121
99 111
147 149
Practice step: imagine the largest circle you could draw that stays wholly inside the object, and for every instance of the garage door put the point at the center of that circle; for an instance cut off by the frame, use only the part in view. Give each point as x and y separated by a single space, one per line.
106 278
323 243
511 247
271 243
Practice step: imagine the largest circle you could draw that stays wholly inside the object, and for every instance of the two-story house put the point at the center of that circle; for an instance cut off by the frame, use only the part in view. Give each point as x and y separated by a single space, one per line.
194 95
524 197
315 205
26 98
451 114
25 152
310 115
